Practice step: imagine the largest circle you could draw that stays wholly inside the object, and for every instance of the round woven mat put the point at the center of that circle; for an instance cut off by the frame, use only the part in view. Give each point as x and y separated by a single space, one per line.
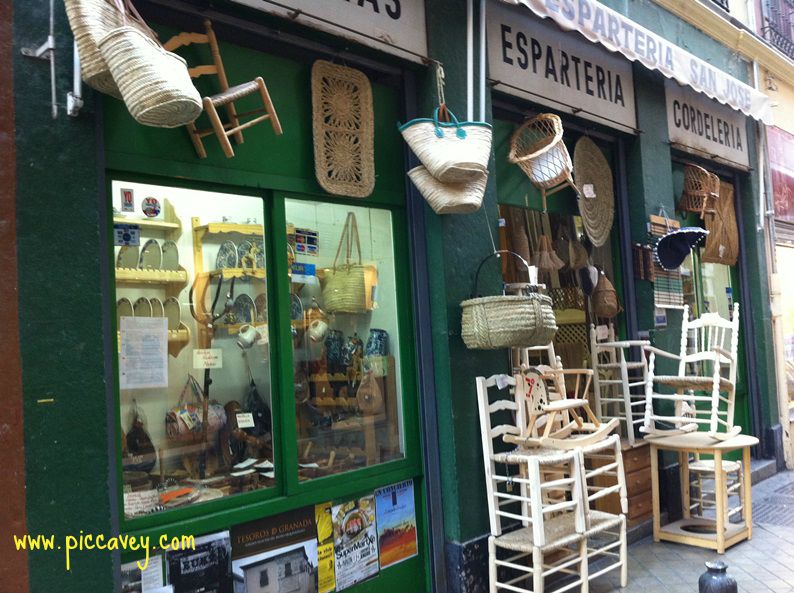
590 167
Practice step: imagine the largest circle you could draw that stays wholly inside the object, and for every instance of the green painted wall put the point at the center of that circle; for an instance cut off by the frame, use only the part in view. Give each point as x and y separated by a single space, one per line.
61 311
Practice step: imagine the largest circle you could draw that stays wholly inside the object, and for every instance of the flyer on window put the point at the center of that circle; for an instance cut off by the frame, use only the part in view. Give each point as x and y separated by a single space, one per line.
276 554
396 520
205 569
355 541
326 578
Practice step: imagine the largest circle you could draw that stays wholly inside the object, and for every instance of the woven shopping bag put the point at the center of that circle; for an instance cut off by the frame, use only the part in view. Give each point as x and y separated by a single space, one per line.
507 321
453 152
348 287
154 83
449 198
90 21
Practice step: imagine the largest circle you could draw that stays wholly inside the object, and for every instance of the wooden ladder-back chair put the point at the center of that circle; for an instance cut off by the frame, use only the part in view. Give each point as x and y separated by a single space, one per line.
706 363
606 532
225 98
618 381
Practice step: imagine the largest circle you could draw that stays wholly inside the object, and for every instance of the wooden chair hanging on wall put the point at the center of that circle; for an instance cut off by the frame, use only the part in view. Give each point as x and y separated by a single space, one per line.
225 98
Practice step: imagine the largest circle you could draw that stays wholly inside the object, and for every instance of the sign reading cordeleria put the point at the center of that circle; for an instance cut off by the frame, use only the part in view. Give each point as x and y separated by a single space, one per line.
535 60
393 26
704 126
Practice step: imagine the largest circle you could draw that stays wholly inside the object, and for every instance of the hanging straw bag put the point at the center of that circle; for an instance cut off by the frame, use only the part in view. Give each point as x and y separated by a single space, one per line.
348 287
154 83
722 242
507 321
605 298
452 152
449 198
90 21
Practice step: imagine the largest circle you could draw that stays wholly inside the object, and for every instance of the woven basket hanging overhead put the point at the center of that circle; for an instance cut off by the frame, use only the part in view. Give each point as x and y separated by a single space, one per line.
596 191
537 147
701 190
343 126
722 242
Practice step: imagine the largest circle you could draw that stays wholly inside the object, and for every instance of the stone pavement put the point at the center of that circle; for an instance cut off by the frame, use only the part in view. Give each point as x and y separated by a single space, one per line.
764 564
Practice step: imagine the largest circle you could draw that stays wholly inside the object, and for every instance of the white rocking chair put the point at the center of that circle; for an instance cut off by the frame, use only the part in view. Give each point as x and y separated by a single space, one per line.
706 376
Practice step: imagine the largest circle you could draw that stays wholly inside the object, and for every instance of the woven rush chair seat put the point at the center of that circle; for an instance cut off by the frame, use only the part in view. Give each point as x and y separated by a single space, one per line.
692 382
707 465
236 92
601 521
617 365
560 532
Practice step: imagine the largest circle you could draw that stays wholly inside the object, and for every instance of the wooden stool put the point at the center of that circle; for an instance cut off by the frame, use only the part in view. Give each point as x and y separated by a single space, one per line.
717 534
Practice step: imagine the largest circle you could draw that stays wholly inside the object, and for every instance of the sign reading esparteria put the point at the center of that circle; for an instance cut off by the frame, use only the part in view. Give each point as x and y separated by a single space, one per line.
531 58
394 26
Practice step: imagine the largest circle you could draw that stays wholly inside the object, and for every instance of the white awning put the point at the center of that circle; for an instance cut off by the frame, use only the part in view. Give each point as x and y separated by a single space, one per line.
601 24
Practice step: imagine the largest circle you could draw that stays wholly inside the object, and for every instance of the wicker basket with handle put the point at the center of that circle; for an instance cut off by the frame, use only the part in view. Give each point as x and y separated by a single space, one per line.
348 286
453 152
449 198
701 190
507 321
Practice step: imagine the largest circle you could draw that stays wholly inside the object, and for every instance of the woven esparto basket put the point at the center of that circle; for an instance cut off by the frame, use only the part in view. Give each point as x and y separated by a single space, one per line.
344 130
701 190
90 21
453 152
507 321
537 148
155 84
449 198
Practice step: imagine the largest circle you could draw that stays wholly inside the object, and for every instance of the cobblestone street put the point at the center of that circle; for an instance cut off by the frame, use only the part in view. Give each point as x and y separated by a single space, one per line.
763 564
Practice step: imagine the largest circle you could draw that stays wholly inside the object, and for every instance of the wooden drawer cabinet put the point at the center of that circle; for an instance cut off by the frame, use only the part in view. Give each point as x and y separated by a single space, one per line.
637 469
638 482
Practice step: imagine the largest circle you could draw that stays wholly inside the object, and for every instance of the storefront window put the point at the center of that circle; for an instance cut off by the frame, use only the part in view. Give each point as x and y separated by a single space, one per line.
345 337
785 261
191 315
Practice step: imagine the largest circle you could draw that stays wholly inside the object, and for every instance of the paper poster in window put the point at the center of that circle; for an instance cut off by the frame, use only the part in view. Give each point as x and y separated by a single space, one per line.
276 554
396 519
326 578
355 541
205 569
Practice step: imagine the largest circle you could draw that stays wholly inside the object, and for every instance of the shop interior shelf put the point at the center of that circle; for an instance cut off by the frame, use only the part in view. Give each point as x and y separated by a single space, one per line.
219 228
148 223
229 273
136 276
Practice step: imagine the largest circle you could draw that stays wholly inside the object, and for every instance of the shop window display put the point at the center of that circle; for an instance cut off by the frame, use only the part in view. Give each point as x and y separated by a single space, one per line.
193 347
345 337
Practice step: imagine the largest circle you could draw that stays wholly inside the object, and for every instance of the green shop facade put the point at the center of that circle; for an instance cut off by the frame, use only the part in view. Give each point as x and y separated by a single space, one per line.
226 274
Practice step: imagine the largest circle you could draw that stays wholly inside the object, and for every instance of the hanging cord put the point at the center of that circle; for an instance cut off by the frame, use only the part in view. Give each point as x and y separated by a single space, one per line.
488 225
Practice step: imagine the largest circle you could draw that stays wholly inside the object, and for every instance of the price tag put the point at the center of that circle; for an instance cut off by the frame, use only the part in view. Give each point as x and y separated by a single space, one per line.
588 189
126 234
207 358
139 503
245 420
602 332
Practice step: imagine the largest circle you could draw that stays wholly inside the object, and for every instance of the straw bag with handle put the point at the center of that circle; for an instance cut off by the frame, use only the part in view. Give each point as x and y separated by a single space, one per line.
183 422
348 287
154 83
90 21
605 298
507 321
453 152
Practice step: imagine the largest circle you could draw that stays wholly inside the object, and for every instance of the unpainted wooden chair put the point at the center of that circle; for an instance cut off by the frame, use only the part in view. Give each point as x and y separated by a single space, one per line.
618 381
225 98
706 371
702 491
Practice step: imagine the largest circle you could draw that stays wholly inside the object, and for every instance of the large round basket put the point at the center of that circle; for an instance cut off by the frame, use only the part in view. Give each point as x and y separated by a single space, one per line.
507 321
596 192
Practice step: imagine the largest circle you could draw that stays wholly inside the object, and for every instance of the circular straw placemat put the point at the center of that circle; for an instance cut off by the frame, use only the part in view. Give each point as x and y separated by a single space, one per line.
344 130
590 167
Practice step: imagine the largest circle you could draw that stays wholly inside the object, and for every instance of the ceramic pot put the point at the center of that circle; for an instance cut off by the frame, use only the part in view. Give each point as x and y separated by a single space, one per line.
716 579
377 343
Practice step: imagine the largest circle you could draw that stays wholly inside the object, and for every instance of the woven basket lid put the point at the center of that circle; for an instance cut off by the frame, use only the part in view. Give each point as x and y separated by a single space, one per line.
590 168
